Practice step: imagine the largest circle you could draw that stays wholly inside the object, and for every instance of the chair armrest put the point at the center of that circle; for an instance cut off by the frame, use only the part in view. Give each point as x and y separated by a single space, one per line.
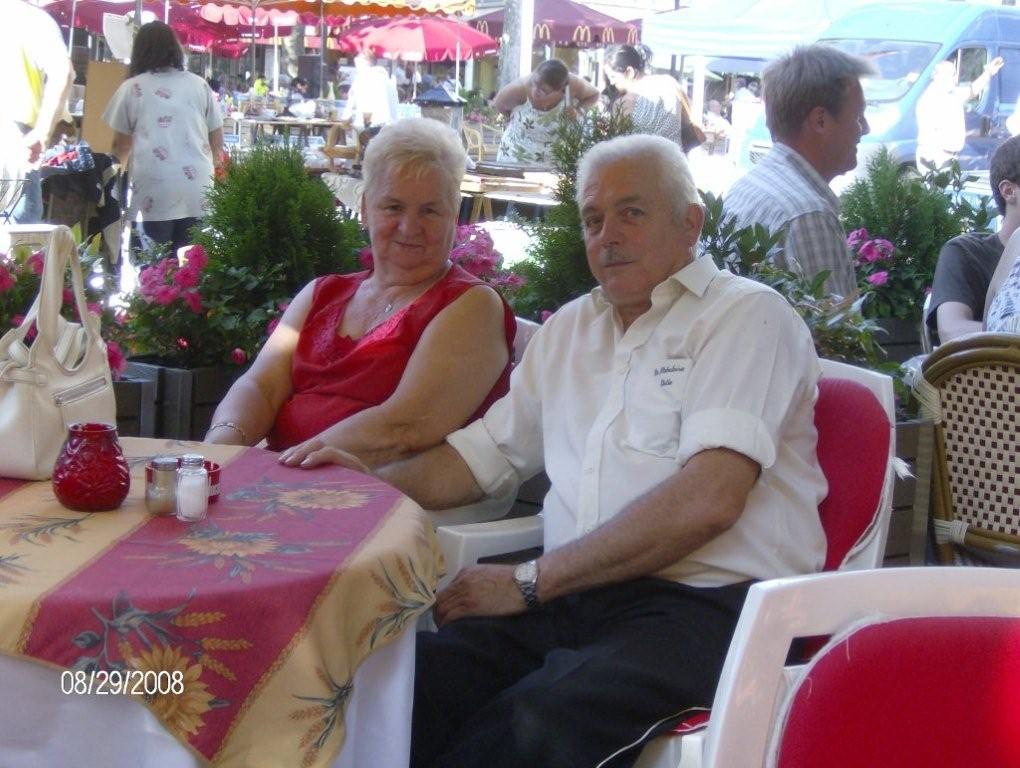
464 545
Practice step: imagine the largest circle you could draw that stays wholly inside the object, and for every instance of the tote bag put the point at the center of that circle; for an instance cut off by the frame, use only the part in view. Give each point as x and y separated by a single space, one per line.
61 377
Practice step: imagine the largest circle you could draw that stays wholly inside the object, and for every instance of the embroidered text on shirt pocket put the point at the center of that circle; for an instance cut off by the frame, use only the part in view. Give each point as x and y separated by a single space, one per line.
653 409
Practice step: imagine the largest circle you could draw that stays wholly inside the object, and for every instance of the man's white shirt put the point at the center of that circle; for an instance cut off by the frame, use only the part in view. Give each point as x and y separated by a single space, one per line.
718 361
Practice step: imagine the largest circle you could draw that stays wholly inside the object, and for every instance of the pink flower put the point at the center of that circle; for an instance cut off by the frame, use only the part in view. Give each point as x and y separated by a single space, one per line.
7 280
182 343
857 237
95 309
115 355
68 296
35 262
187 277
271 326
879 278
509 280
365 258
17 320
239 356
196 258
164 295
875 250
193 300
546 314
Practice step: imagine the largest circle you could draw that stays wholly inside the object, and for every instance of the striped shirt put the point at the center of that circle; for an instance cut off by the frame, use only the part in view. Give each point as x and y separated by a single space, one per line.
785 191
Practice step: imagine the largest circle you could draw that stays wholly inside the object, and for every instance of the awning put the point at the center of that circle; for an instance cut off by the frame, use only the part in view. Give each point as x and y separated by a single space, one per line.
567 24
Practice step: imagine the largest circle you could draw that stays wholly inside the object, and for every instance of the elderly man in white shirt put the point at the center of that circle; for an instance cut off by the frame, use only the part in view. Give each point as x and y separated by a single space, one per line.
672 409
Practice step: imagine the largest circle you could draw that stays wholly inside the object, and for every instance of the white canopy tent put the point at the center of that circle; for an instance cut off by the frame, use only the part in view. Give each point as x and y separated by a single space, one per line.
748 29
744 29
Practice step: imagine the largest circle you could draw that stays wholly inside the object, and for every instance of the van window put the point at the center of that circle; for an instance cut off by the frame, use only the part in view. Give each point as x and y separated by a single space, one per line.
899 64
1009 79
970 63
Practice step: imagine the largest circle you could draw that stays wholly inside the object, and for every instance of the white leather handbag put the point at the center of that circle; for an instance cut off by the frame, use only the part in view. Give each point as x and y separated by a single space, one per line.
60 377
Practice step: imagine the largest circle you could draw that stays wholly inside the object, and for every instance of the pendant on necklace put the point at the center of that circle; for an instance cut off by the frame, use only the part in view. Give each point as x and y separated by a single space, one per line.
389 308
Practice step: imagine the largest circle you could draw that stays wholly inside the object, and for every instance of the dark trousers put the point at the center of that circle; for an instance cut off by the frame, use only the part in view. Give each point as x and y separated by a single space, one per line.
573 683
174 232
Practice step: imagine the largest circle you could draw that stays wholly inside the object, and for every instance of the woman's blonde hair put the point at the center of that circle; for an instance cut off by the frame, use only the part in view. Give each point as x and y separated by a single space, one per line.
417 145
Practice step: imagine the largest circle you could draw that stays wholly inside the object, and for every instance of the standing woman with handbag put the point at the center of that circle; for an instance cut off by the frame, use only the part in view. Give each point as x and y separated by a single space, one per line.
168 123
655 103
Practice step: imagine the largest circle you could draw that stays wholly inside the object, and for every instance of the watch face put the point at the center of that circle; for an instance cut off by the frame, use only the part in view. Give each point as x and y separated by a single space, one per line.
526 572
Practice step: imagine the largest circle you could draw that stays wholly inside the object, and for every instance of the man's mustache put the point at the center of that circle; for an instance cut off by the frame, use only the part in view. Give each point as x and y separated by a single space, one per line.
610 256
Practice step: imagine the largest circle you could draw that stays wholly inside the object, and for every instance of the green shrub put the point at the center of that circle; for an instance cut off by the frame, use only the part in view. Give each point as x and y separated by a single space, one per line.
270 230
917 216
556 270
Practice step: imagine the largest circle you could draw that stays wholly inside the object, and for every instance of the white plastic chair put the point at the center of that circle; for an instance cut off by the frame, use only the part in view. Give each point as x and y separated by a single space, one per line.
464 545
752 708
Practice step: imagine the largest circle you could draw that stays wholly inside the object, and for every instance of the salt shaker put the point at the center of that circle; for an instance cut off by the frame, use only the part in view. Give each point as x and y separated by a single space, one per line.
192 489
160 485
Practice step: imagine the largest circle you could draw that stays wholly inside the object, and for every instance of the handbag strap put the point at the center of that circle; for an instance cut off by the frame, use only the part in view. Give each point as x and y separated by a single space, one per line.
61 252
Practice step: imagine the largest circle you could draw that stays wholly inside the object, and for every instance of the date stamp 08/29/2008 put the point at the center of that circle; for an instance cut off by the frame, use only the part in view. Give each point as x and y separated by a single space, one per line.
132 682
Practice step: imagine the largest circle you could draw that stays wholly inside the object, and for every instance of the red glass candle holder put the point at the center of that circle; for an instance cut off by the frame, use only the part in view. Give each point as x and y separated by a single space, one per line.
91 473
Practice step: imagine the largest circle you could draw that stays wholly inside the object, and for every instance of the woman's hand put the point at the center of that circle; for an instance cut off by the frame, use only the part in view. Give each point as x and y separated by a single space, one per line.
312 453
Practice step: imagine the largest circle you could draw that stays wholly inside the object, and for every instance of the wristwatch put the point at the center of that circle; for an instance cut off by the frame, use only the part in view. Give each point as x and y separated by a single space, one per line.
526 578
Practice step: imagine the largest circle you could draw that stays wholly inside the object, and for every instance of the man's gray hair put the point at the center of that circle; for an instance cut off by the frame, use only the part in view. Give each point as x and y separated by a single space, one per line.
811 76
417 145
672 172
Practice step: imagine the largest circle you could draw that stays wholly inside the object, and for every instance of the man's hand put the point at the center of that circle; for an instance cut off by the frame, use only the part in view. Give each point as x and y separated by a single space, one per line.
994 65
480 590
312 453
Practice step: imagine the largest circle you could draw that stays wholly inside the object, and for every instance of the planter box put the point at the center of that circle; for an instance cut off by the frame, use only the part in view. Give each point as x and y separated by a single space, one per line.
185 397
136 407
901 340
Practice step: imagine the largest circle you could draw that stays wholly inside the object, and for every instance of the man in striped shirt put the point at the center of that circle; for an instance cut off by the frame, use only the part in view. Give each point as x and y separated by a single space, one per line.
814 108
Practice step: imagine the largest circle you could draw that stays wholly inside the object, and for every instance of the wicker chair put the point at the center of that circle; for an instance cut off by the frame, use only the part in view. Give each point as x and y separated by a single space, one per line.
970 391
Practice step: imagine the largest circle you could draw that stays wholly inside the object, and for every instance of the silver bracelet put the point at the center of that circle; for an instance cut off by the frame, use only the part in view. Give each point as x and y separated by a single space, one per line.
230 425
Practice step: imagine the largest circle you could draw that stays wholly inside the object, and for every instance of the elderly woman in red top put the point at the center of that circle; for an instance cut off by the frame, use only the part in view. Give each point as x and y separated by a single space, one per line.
387 362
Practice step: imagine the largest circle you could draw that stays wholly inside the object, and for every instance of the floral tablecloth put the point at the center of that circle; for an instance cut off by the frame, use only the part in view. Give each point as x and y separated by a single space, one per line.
266 608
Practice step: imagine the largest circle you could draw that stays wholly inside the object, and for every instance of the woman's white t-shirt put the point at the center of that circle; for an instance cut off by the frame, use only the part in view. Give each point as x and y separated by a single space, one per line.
169 116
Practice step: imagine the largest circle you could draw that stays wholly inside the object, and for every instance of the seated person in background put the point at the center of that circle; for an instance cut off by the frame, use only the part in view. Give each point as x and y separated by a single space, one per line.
383 363
966 263
814 109
297 93
714 120
1004 292
534 105
672 409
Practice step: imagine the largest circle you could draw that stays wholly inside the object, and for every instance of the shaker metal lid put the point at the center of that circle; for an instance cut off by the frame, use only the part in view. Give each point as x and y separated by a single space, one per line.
164 463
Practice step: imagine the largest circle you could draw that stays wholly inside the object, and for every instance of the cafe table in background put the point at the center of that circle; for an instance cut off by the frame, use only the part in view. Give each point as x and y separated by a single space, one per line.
277 632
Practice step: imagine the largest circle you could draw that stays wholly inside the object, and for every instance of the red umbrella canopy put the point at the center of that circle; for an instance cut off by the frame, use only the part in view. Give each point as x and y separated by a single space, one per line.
424 38
568 24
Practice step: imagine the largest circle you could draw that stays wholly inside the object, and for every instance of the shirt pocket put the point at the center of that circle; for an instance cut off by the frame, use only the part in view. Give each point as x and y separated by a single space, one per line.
652 407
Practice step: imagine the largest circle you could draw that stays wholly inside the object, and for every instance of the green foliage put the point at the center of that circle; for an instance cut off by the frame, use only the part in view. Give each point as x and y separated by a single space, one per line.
556 270
269 231
917 216
271 228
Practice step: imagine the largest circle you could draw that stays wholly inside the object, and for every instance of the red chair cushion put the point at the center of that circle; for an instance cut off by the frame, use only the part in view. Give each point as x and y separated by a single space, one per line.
925 692
853 450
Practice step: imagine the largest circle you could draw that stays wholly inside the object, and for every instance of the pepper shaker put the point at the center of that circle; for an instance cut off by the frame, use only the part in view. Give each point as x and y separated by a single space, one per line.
160 485
192 489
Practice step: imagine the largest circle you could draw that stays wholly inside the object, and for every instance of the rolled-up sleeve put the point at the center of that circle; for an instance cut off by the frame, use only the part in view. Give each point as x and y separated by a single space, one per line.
754 365
505 446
